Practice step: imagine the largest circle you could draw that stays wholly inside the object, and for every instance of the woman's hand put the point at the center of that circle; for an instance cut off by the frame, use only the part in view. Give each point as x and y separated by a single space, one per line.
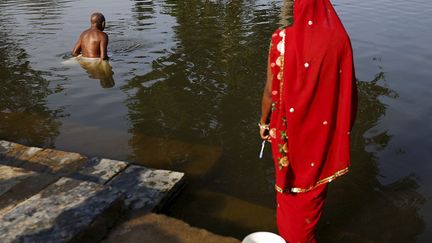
264 132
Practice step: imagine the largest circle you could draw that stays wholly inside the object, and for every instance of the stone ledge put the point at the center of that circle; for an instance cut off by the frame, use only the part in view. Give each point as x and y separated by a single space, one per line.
14 154
55 196
40 160
100 170
10 176
59 213
145 188
55 161
17 184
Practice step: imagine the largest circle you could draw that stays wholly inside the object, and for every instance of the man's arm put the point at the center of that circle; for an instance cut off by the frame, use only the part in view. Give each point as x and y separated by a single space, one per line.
77 48
103 47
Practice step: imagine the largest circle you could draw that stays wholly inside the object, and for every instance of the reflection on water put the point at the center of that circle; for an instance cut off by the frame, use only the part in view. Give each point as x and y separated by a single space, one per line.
188 80
24 115
195 94
94 67
359 207
98 69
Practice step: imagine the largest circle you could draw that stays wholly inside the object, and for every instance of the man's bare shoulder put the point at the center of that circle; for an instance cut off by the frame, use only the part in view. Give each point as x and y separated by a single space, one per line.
95 33
85 33
103 35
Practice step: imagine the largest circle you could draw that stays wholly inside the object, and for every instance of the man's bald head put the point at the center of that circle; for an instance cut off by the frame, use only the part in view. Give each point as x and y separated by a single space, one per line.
98 20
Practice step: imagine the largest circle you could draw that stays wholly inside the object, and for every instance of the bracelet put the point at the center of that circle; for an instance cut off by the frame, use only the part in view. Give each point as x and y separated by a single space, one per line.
264 126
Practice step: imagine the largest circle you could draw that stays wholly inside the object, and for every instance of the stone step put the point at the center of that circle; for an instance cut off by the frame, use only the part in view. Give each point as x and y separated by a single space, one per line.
14 154
40 160
100 170
147 189
55 196
17 184
60 213
144 188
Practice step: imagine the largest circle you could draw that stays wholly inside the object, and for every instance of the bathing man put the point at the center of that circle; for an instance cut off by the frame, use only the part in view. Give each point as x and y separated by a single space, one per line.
93 42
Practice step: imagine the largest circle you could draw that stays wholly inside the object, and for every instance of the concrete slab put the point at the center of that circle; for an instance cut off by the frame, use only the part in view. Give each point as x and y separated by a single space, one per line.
10 176
16 154
38 159
60 213
161 228
37 206
100 170
145 188
55 161
17 184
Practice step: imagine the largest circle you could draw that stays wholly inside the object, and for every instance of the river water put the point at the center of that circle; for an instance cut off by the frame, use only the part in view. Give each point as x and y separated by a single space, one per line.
183 93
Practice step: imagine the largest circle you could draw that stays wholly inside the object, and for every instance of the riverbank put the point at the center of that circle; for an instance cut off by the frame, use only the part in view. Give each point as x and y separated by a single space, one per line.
48 195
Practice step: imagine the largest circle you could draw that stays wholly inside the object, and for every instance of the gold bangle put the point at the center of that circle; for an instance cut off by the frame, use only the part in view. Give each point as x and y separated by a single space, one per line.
264 126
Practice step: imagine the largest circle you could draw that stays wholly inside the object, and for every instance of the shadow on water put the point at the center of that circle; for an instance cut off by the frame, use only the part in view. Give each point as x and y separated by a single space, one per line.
207 90
187 90
200 99
359 207
24 115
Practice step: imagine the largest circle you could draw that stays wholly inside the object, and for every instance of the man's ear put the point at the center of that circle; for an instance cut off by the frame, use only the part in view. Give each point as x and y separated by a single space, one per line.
103 25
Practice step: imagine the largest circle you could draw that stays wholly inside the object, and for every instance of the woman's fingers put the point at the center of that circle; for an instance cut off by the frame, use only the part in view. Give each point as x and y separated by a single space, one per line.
263 134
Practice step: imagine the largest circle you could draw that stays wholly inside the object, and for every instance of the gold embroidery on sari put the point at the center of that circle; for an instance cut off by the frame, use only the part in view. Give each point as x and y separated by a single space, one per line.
320 182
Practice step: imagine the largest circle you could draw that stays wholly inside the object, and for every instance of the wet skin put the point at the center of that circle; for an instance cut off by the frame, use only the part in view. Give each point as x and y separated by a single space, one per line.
93 42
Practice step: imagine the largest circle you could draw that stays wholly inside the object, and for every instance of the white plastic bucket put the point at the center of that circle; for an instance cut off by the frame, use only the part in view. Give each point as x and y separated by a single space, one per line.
263 237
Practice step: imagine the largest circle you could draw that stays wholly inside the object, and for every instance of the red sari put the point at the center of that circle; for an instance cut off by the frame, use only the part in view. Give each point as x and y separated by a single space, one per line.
314 105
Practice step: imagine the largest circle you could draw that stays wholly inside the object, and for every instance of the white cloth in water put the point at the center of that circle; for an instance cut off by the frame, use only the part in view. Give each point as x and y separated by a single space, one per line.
80 58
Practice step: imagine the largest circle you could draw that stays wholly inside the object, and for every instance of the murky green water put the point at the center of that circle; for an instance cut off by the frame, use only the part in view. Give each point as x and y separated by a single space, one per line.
188 76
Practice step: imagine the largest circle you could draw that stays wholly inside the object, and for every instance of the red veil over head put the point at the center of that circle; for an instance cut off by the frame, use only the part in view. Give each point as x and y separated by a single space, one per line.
317 101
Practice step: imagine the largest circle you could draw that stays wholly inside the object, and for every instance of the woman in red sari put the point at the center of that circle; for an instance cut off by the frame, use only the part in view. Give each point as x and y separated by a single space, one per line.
308 109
